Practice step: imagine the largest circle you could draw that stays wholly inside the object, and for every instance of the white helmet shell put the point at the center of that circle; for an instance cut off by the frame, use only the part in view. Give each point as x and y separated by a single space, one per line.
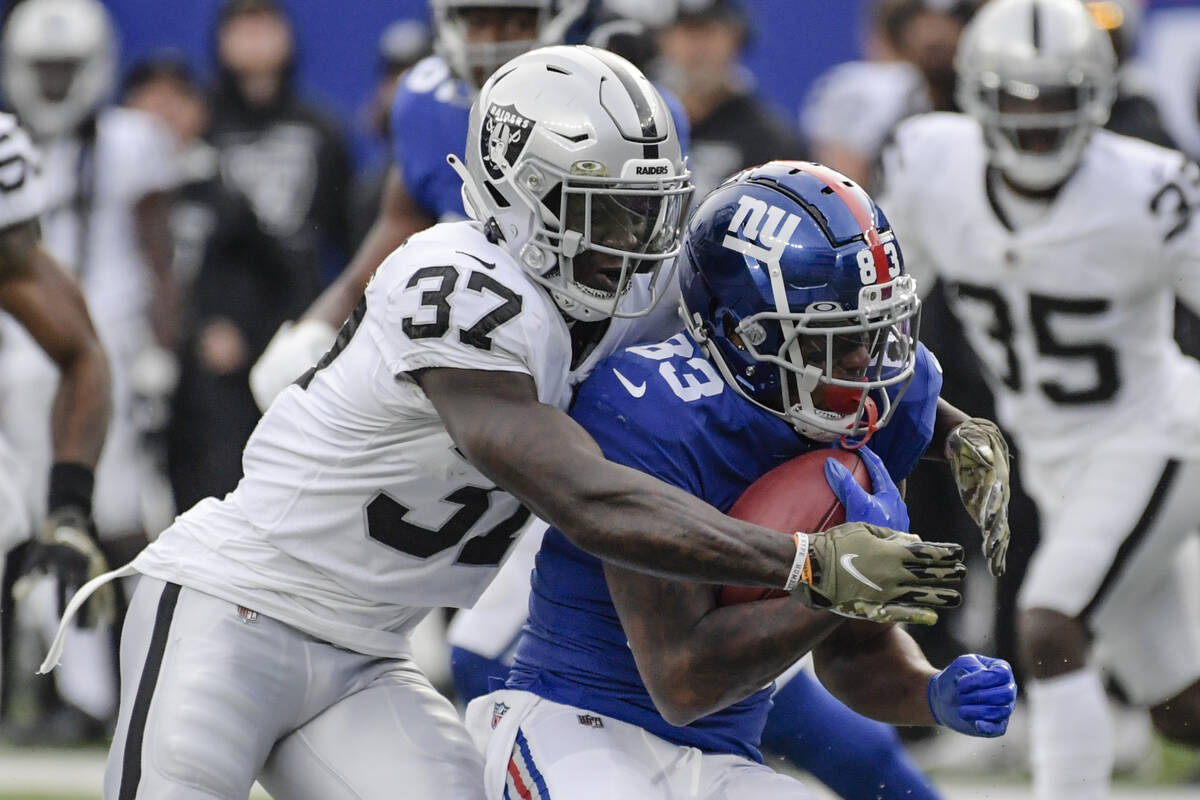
1027 49
574 156
77 35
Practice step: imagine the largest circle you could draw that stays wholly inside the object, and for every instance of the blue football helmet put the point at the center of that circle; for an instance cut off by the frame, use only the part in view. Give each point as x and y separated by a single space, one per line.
794 285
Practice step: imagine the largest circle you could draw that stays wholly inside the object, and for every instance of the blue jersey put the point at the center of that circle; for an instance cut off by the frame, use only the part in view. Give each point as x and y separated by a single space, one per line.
429 119
663 409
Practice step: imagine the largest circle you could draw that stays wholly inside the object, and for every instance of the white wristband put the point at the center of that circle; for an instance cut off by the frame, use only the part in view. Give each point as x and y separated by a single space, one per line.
798 563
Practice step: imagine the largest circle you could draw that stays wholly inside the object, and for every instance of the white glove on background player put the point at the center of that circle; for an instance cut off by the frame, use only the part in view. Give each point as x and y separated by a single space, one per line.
294 348
979 462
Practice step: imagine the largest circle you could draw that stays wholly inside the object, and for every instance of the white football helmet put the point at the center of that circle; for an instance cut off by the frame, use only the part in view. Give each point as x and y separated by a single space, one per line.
60 61
468 59
572 157
1040 76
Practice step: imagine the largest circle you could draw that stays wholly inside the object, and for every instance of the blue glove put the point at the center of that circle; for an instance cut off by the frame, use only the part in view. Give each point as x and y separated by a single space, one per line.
884 508
975 695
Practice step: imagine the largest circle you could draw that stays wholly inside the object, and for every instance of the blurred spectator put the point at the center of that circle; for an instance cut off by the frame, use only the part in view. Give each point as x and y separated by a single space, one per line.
107 172
235 273
852 107
699 61
283 154
401 45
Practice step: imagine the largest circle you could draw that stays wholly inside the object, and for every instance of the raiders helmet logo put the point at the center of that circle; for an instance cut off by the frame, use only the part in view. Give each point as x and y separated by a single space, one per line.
505 134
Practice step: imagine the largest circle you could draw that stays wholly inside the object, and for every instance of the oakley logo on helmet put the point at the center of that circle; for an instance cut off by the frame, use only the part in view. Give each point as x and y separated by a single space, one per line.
505 134
757 220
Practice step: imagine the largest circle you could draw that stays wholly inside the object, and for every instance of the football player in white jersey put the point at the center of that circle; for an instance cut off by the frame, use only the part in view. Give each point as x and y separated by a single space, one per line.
268 635
106 174
42 298
1064 247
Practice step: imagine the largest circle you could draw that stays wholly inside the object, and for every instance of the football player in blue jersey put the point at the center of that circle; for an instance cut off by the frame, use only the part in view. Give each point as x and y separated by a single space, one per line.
800 331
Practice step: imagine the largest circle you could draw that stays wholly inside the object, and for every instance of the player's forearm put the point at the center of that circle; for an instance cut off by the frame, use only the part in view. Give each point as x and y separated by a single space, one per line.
948 418
619 514
735 651
82 408
632 519
883 676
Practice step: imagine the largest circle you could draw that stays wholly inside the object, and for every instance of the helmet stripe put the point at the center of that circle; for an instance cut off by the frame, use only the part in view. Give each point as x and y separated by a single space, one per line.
644 106
863 215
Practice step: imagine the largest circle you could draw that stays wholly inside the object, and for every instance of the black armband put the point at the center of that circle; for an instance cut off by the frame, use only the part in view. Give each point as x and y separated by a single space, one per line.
71 485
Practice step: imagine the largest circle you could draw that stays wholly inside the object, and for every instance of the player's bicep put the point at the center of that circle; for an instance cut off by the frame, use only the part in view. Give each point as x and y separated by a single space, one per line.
496 420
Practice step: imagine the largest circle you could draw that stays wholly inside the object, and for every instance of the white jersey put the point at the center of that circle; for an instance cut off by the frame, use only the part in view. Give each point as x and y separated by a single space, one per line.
22 198
22 190
1071 316
133 156
357 512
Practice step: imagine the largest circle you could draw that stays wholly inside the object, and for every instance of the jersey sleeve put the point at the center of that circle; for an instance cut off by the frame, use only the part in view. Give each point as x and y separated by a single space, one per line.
906 437
1177 207
22 195
436 308
417 107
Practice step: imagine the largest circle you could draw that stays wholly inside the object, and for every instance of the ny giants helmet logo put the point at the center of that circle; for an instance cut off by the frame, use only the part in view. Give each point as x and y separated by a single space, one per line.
505 134
770 225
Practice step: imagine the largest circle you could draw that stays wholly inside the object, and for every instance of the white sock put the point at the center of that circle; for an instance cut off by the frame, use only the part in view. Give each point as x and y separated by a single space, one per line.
1071 737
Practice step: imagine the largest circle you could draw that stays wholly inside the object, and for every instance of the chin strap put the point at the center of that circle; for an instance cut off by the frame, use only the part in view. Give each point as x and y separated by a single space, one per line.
872 418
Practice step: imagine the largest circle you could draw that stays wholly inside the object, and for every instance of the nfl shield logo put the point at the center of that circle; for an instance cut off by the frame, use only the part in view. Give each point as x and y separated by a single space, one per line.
504 135
498 712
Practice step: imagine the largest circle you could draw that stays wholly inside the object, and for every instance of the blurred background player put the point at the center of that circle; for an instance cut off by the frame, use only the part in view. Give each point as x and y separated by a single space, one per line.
107 174
1068 303
634 685
41 297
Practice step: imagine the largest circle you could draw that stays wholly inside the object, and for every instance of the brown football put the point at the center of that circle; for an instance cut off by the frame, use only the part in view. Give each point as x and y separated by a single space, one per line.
793 497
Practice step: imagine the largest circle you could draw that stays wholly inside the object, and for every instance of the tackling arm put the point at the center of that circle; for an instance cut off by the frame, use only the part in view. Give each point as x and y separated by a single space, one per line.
696 657
556 469
48 303
629 518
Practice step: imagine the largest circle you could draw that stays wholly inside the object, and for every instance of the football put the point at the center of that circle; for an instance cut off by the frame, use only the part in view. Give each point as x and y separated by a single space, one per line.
792 497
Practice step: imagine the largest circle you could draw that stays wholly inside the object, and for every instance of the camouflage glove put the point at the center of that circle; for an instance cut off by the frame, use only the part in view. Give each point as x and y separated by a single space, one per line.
877 574
66 549
979 462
